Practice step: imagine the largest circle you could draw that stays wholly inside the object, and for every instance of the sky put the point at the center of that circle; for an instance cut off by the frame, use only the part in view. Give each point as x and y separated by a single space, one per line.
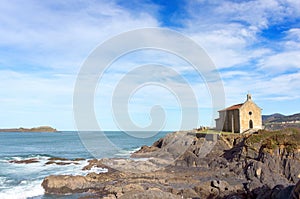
255 46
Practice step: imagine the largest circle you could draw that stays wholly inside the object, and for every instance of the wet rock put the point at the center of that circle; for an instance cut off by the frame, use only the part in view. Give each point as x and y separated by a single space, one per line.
50 162
28 161
57 158
61 162
78 159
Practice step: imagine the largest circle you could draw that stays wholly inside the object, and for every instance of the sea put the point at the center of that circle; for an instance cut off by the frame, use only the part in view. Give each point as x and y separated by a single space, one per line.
23 181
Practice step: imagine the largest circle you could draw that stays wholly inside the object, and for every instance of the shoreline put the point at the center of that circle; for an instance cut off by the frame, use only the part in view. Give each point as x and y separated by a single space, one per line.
235 166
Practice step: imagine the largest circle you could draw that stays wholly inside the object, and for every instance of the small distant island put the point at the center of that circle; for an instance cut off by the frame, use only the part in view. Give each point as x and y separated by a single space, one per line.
35 129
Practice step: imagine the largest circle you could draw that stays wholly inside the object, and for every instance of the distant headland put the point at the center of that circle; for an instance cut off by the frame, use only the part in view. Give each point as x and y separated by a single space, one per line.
35 129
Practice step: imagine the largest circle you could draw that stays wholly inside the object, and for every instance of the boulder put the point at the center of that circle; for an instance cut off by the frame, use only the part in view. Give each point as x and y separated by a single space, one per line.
66 184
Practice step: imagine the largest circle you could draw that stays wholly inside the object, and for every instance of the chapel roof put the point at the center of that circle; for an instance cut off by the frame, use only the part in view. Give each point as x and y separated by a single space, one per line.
233 107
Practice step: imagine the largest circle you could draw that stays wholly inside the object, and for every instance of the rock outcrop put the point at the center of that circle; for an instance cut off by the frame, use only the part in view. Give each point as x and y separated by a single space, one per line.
26 161
185 165
35 129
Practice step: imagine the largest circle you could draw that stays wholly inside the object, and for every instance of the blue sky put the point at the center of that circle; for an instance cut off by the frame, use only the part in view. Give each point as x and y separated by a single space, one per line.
255 45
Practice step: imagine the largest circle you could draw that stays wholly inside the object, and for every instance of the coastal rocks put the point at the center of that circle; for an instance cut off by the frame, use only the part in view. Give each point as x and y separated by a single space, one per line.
150 194
279 192
95 163
296 191
171 147
52 160
66 184
27 161
174 167
128 165
62 161
220 185
119 191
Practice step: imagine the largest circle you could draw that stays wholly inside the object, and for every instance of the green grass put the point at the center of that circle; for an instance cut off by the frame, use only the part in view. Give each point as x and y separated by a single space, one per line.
210 131
289 138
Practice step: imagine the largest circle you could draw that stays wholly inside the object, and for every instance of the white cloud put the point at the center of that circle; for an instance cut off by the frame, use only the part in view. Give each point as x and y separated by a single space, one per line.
230 31
43 44
281 62
264 88
47 36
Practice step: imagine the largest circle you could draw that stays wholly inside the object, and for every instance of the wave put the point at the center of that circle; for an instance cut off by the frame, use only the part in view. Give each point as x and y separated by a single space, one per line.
23 190
20 181
125 153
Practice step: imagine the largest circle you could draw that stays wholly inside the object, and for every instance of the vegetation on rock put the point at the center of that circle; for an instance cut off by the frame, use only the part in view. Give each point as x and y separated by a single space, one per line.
288 139
35 129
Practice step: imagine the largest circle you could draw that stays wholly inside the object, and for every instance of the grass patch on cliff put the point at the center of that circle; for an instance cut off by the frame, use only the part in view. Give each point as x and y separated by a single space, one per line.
212 131
288 138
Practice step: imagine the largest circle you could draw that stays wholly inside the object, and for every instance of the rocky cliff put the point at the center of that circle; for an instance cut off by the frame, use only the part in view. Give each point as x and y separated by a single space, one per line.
189 165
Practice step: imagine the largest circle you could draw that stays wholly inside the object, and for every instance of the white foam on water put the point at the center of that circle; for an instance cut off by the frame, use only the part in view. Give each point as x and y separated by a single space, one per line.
23 191
22 181
28 177
2 182
126 153
97 170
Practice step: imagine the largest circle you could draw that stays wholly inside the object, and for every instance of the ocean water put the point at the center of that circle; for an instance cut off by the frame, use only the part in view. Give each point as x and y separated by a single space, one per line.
20 181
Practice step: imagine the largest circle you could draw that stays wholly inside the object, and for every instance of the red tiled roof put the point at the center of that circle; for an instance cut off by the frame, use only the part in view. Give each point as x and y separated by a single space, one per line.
233 107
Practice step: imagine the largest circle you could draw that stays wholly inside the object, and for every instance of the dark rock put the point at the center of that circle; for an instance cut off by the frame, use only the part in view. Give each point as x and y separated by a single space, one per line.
283 194
50 162
64 163
28 161
57 158
78 159
296 191
61 162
